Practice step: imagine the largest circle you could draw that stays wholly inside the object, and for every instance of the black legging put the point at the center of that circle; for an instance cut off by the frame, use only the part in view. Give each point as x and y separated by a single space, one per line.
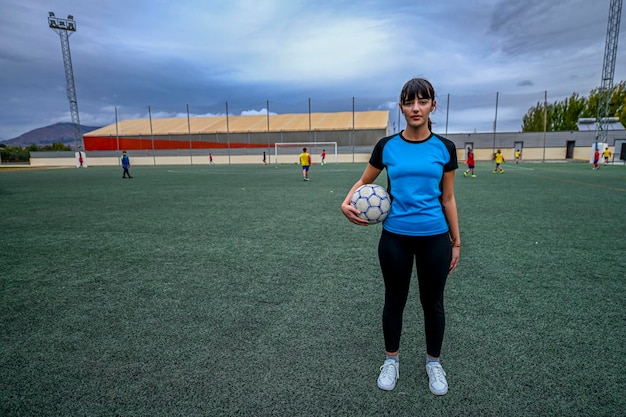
432 255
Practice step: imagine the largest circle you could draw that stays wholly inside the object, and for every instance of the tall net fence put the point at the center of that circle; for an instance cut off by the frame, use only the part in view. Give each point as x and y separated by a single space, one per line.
476 113
489 120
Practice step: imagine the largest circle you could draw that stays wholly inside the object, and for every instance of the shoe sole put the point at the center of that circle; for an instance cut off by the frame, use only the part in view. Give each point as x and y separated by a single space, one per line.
435 392
439 392
386 388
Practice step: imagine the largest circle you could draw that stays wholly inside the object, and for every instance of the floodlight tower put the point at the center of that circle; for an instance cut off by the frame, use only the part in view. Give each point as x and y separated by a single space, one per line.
64 28
608 70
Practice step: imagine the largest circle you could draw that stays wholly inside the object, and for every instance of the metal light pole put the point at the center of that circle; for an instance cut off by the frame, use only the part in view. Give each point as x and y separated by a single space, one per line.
495 122
64 28
545 122
608 70
447 112
189 133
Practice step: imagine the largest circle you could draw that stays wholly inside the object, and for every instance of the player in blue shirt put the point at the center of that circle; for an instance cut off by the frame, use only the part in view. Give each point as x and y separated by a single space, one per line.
422 228
125 165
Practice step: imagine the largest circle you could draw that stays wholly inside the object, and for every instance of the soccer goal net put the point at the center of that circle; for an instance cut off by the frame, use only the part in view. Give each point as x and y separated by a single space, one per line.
287 152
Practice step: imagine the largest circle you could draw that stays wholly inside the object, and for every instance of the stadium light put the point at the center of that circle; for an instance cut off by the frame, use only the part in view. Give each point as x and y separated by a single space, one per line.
64 28
57 23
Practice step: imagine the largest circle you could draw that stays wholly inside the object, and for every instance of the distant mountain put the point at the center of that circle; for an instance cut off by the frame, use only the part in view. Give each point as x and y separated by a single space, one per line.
58 132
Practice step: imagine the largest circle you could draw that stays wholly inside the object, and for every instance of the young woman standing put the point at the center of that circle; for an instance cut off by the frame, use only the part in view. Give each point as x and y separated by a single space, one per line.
422 228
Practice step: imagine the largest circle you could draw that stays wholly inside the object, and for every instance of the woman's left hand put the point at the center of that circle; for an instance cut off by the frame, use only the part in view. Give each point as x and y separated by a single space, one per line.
456 252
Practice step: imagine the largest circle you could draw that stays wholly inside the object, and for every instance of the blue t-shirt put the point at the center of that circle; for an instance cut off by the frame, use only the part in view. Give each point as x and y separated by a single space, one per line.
415 171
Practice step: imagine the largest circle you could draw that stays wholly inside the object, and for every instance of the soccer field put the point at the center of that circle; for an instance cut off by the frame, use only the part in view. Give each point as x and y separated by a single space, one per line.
242 290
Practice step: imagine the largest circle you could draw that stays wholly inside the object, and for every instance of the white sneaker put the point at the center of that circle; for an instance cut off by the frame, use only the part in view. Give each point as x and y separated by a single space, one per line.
436 378
389 374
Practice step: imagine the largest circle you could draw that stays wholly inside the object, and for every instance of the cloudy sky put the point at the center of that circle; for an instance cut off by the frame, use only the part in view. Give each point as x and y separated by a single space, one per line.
168 56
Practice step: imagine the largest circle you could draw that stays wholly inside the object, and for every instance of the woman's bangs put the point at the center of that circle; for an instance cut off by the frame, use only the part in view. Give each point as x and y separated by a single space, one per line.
417 88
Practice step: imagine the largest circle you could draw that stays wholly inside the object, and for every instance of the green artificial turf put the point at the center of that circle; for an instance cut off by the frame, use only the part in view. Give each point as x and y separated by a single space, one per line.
242 290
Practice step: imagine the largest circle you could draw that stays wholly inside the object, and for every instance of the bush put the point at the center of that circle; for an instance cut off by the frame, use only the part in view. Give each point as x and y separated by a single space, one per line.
19 154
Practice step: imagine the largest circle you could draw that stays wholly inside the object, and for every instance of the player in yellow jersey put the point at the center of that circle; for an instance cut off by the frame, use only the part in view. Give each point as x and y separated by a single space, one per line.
606 153
499 158
518 156
305 161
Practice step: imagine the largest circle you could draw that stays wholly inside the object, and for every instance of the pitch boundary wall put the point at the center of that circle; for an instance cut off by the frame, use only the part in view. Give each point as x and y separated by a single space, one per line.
535 146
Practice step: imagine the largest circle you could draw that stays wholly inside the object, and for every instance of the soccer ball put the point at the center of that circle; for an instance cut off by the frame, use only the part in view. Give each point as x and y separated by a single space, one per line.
372 201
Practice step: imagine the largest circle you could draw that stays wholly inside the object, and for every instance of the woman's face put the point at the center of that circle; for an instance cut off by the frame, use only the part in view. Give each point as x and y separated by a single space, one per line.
417 111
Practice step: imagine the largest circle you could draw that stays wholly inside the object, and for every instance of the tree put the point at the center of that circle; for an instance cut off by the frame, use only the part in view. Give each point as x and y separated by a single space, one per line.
564 115
19 154
533 119
568 112
14 154
617 102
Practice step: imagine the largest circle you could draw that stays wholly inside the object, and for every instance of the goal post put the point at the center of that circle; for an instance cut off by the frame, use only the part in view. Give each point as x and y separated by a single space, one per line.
601 147
289 151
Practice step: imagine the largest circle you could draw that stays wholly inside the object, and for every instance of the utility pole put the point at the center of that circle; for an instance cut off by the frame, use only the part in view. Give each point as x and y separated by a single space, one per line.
64 28
608 70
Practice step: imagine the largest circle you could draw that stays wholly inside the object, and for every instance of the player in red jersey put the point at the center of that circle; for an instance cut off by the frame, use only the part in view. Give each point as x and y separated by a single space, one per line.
470 163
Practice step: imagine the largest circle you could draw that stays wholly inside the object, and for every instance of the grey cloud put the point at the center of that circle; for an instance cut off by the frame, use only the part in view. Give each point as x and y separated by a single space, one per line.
537 26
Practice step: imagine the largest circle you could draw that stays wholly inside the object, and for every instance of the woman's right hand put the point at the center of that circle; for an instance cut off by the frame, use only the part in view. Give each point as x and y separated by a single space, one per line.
352 214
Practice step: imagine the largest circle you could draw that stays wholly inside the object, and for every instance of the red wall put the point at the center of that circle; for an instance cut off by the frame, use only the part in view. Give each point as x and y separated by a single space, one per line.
111 144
